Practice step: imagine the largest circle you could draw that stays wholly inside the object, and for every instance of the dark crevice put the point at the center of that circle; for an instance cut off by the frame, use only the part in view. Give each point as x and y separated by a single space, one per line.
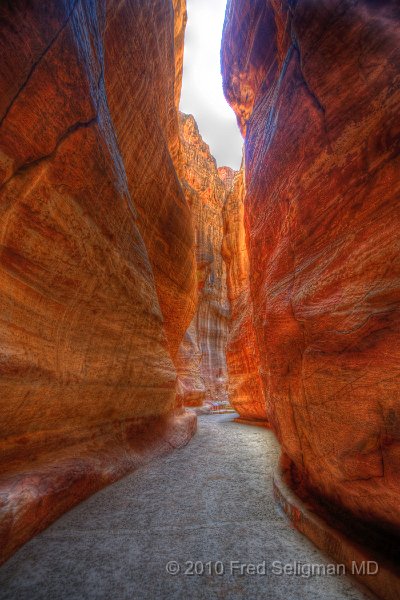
71 130
310 91
36 63
317 102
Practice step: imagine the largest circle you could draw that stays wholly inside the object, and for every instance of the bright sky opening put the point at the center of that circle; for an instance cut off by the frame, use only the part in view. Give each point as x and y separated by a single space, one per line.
202 94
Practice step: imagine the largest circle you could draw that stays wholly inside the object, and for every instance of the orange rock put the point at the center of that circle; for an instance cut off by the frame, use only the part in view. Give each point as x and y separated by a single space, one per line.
314 86
203 374
191 389
246 392
146 124
97 272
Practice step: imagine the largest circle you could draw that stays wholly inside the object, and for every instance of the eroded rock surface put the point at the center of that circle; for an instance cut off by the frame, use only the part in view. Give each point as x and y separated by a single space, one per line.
246 393
204 373
315 86
97 272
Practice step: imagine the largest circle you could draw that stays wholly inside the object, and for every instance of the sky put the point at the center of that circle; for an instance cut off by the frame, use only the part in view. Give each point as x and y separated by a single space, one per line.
202 94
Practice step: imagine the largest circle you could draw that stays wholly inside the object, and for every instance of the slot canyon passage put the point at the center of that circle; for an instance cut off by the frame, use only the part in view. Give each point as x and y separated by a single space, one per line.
143 286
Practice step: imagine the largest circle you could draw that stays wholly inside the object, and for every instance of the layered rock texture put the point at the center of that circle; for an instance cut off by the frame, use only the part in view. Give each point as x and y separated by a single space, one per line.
97 267
203 371
246 392
315 86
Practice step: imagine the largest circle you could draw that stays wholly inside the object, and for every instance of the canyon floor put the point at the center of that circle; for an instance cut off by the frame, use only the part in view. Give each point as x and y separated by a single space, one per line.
219 507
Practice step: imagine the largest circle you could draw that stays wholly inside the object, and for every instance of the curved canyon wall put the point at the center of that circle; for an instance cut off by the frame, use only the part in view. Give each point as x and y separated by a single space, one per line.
315 89
203 372
246 392
97 266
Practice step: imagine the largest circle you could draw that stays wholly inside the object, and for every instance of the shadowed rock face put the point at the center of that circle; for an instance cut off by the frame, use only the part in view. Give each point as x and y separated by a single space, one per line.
97 272
143 107
246 393
203 374
315 89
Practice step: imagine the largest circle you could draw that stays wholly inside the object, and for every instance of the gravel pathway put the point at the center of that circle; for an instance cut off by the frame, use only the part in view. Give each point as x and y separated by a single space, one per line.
210 502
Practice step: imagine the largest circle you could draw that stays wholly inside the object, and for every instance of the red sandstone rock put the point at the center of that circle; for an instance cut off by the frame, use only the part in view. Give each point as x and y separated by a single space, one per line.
146 123
315 88
203 374
97 273
191 389
246 393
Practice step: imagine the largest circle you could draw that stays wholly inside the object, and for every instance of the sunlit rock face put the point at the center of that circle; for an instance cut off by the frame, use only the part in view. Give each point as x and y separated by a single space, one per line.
315 89
246 392
205 340
97 271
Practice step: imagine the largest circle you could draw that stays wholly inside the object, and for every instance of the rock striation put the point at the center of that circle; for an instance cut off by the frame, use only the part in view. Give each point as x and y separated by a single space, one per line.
203 372
246 392
315 89
97 267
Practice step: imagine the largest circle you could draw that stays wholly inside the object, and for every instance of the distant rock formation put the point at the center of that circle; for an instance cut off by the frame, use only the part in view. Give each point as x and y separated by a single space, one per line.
246 393
203 372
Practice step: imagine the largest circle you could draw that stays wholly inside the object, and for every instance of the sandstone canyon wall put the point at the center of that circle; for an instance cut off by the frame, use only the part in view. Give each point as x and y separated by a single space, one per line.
203 372
315 86
246 392
97 271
